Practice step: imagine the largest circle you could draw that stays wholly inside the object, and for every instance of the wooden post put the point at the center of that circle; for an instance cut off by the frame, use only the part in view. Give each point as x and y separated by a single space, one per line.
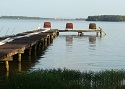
19 57
100 32
7 65
57 33
51 38
39 46
42 44
45 42
48 40
80 34
35 46
29 51
19 54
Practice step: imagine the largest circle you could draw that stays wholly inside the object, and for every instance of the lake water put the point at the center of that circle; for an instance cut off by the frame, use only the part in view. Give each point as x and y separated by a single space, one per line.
69 50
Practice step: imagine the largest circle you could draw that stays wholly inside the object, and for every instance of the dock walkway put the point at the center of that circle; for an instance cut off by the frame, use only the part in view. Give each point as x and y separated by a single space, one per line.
28 42
20 43
80 32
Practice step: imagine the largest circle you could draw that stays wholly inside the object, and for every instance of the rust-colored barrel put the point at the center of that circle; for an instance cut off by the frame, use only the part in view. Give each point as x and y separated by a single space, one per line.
47 25
69 25
92 26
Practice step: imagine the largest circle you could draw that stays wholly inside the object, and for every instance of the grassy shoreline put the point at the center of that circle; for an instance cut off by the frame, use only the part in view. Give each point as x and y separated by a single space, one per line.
66 79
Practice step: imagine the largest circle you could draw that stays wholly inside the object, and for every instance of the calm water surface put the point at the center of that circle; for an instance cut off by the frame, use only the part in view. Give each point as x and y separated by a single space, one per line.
71 51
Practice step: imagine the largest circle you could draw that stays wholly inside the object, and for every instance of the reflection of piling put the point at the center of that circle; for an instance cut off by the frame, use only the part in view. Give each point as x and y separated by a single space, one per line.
7 74
92 39
19 67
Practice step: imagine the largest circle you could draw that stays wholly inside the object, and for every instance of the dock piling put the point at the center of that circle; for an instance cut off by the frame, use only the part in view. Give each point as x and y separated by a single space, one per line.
7 65
34 42
19 57
29 51
80 34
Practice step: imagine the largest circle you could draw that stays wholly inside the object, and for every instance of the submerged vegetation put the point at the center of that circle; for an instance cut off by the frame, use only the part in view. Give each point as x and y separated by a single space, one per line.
113 18
66 79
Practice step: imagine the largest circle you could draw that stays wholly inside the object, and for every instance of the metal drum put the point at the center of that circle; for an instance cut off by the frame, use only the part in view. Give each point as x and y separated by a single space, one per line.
92 26
47 25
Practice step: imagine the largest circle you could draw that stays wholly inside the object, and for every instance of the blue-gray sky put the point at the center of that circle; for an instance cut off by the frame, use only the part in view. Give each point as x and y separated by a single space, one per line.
61 8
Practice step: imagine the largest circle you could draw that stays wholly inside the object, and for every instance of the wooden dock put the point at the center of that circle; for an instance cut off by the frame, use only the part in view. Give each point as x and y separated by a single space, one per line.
80 32
29 42
25 42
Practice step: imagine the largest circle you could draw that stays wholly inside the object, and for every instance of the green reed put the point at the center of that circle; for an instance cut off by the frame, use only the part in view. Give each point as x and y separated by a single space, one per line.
66 79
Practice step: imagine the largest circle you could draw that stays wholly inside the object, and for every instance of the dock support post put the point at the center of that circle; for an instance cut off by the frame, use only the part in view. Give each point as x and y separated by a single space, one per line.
19 57
51 38
39 46
58 33
34 48
7 65
19 54
100 32
48 40
80 34
29 51
42 44
45 42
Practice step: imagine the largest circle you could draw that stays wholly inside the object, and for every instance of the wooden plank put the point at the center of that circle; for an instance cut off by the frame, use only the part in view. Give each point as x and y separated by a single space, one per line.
79 30
18 45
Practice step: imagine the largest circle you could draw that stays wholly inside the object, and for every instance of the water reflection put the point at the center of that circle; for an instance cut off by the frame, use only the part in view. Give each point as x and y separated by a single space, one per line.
92 42
17 67
69 40
72 50
92 39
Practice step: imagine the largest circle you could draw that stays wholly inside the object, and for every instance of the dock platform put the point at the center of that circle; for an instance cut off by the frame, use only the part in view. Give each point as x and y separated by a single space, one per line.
30 41
25 42
80 32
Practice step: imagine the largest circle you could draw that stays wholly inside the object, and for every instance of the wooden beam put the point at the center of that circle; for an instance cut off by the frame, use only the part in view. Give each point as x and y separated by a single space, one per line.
91 30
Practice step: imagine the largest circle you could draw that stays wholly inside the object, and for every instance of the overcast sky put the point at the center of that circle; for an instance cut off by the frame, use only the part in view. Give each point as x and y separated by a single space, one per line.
61 8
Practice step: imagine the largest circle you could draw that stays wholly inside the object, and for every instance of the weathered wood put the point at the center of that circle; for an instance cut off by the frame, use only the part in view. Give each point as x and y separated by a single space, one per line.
19 57
42 37
19 44
7 65
89 30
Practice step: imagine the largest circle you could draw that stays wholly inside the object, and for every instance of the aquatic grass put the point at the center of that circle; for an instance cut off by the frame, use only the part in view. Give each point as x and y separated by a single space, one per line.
66 79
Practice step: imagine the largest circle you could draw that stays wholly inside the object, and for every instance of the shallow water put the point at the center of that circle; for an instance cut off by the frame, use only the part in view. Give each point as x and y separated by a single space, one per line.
71 51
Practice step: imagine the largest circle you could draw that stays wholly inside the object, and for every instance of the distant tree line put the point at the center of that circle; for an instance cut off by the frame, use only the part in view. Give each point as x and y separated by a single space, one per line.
113 18
37 18
21 17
